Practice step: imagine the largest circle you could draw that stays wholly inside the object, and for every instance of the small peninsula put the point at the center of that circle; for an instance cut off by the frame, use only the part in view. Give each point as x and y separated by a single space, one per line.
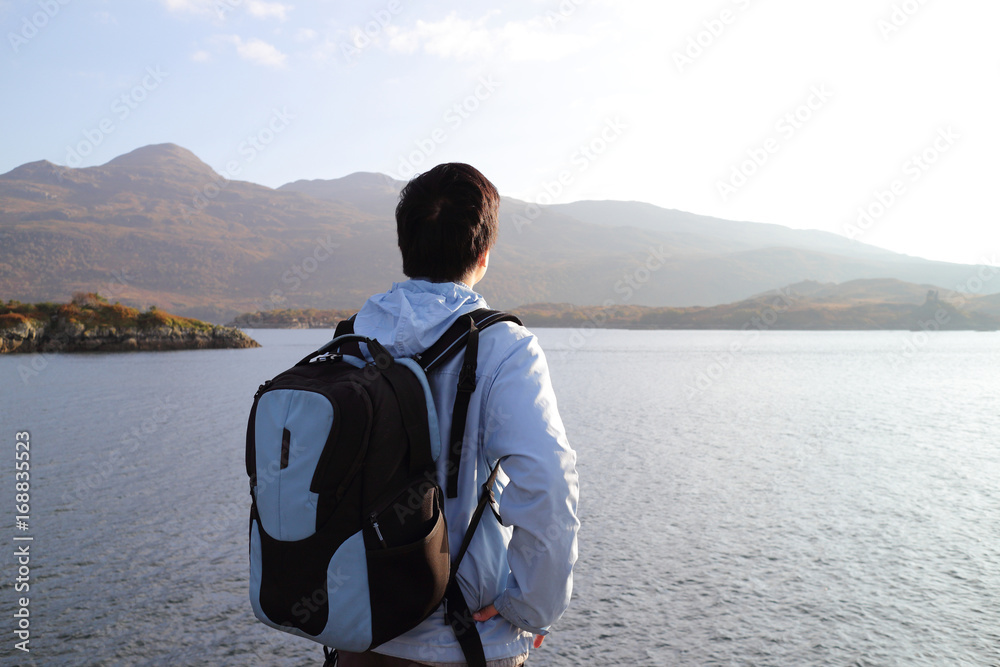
89 323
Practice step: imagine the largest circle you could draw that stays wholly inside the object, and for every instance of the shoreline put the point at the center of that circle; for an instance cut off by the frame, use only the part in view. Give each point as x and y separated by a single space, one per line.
29 339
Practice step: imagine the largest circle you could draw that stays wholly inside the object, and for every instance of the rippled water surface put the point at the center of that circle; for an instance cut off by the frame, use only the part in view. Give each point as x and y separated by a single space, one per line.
797 498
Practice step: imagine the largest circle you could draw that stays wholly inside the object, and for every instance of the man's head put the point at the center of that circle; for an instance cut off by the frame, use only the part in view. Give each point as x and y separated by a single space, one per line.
446 220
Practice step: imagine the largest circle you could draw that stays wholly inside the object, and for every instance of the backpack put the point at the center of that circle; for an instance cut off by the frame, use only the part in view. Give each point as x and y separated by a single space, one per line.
348 540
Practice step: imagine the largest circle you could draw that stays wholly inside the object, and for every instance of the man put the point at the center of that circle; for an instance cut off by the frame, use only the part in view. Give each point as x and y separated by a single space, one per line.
517 575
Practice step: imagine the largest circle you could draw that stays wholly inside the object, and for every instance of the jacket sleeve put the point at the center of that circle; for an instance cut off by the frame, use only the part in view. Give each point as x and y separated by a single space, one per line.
540 499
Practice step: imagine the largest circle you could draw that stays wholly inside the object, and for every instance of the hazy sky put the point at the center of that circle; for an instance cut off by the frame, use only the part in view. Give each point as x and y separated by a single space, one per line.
786 111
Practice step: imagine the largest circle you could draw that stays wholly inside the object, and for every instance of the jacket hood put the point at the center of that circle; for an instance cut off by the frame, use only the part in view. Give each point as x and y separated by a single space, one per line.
412 315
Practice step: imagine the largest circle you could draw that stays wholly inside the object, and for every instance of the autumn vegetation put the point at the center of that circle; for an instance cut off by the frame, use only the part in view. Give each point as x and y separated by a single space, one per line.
94 312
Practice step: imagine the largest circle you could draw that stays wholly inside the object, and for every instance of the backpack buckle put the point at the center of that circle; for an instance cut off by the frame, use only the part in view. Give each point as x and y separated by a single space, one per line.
467 378
380 356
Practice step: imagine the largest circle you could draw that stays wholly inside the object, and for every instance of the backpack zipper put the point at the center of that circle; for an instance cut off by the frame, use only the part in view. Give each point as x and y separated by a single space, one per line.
373 518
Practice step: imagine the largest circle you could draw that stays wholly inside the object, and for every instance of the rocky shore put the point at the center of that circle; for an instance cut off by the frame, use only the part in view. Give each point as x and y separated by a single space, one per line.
30 338
68 329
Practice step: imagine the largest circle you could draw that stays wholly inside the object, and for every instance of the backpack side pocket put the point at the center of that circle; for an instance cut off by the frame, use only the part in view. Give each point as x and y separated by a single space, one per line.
407 579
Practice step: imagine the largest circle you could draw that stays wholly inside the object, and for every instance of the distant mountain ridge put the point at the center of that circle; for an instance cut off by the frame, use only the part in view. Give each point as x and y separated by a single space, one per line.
872 304
157 226
860 305
367 191
693 231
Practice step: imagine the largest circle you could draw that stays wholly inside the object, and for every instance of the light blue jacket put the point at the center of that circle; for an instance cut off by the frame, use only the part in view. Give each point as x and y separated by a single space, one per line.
525 566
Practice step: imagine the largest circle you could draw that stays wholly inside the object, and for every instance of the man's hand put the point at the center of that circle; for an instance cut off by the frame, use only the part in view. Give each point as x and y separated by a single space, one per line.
486 613
489 611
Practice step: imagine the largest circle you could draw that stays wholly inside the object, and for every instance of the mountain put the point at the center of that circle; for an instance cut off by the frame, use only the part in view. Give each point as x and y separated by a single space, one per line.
808 305
705 234
157 226
726 260
375 194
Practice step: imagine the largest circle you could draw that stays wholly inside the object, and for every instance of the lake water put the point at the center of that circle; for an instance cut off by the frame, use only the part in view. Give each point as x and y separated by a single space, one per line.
790 498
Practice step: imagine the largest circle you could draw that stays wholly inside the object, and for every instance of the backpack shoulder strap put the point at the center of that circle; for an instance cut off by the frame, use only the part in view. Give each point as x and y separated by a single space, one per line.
345 327
456 610
464 332
449 344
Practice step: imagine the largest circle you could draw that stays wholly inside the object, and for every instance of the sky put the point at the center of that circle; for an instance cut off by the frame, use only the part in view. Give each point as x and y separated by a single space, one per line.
873 119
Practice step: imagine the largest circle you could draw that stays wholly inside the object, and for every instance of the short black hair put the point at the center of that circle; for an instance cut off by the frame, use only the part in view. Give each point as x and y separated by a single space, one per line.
446 219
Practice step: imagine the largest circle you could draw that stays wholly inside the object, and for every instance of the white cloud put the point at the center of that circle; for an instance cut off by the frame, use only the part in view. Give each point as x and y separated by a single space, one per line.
201 56
305 35
221 8
534 41
263 10
451 37
190 6
257 51
461 39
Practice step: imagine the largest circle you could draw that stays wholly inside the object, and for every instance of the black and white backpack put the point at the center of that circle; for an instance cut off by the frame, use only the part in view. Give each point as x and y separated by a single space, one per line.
348 541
